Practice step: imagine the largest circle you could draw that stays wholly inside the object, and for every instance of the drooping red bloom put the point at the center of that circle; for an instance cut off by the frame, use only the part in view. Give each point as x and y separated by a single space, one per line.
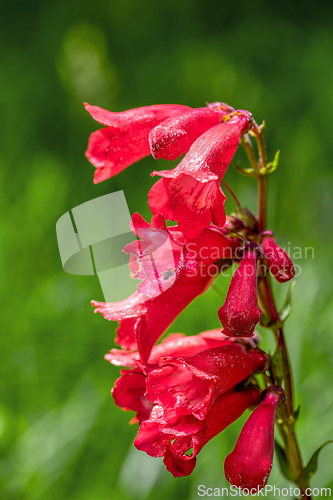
129 390
179 439
279 263
190 385
124 140
191 192
250 463
142 319
174 136
240 312
185 394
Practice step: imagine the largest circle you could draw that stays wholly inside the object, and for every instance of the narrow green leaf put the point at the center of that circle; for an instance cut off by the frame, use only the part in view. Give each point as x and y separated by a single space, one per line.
312 466
246 171
283 463
265 321
287 306
295 415
273 165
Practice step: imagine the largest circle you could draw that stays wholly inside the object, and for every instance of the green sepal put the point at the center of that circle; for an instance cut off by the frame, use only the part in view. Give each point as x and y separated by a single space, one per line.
247 217
287 306
283 463
273 165
312 465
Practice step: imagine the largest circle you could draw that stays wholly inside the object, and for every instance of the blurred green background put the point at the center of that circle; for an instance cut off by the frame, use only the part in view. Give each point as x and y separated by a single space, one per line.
61 434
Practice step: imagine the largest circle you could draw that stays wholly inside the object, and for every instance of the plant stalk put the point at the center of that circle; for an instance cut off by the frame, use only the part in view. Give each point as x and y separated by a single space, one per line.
266 297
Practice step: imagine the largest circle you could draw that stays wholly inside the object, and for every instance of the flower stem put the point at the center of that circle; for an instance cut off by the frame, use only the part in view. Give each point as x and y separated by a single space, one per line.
281 375
232 194
262 202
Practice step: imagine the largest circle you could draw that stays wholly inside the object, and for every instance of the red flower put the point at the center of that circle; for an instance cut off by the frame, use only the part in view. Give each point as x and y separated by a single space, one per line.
144 320
250 463
129 390
279 263
174 136
183 399
190 385
240 312
125 138
129 394
191 192
179 439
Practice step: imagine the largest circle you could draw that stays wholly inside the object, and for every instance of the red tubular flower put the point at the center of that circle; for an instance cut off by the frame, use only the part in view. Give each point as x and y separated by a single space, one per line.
179 439
279 263
129 394
183 399
125 138
173 345
250 463
129 390
144 320
191 192
191 385
240 312
174 136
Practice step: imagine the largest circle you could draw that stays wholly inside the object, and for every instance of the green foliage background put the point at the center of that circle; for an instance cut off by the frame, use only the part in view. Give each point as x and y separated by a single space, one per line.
61 434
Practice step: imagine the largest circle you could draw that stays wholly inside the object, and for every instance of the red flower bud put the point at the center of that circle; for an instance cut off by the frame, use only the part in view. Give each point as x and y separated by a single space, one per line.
240 312
250 463
279 263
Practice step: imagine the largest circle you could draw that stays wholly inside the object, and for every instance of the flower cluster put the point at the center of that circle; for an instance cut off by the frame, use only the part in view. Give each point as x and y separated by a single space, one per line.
186 390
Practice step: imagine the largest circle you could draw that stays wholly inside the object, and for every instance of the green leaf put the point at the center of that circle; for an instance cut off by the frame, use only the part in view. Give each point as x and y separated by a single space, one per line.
287 306
312 466
295 415
283 463
273 165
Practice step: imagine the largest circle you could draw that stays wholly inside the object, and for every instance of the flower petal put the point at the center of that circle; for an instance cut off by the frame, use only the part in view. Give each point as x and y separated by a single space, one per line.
174 136
128 394
192 203
125 140
191 385
209 156
250 463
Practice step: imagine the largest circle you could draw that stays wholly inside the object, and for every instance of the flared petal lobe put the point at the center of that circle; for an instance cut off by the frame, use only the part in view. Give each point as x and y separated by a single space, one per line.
279 263
129 394
250 463
179 440
192 203
125 138
240 312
